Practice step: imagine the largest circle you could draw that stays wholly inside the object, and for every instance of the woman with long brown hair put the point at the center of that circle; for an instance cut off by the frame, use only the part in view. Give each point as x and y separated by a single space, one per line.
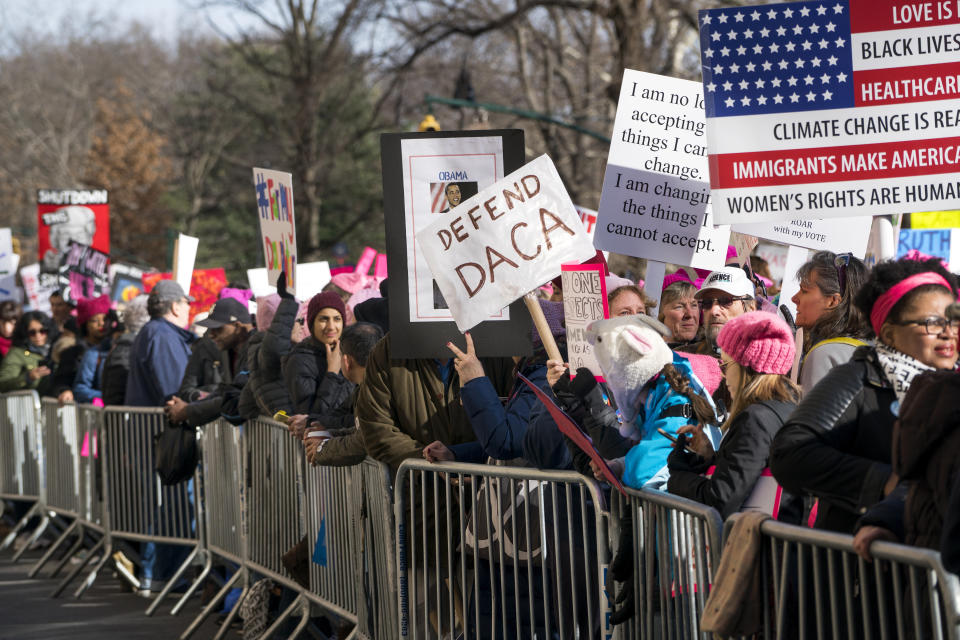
757 351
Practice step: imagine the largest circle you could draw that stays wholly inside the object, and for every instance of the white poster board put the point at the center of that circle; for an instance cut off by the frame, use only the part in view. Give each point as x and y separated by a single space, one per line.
278 229
655 202
584 301
312 276
505 241
839 235
185 256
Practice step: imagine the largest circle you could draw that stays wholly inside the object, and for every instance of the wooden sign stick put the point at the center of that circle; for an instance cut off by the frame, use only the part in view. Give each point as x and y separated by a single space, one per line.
543 328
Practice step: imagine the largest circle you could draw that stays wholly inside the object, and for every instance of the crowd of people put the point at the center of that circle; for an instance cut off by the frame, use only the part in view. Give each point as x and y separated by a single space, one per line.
704 393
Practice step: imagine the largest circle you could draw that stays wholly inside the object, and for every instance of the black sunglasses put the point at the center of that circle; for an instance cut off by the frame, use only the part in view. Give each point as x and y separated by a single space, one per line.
37 332
724 301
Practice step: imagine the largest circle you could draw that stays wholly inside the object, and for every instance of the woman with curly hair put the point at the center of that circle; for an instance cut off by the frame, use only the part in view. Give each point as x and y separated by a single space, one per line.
27 362
833 324
837 444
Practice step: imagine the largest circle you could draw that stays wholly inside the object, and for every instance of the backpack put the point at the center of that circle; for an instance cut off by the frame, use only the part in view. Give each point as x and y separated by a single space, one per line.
177 454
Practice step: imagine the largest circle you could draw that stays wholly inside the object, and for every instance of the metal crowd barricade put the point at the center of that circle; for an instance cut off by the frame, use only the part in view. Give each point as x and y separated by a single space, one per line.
377 602
21 460
63 439
275 521
676 550
136 506
817 586
499 552
222 464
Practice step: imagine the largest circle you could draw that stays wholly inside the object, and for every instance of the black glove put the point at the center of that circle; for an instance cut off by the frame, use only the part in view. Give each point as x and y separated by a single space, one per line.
583 382
282 286
682 460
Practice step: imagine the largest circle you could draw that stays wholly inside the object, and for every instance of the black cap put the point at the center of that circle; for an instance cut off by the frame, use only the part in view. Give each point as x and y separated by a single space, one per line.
226 310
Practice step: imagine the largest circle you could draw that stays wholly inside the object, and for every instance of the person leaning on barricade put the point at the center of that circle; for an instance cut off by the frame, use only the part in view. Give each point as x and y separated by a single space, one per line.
834 327
28 361
116 368
757 351
837 444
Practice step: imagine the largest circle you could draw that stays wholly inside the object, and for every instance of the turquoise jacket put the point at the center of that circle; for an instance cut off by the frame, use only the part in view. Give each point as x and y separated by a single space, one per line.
646 463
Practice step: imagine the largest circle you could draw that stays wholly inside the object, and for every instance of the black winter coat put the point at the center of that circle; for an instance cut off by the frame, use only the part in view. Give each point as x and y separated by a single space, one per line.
739 461
224 398
313 390
837 444
248 406
271 391
113 380
207 368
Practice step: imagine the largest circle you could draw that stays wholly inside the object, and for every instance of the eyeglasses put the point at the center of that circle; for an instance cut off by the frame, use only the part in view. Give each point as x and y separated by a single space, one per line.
724 301
724 365
841 262
37 332
934 325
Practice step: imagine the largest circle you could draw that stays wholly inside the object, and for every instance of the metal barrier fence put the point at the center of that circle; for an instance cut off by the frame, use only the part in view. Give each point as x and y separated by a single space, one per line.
21 460
817 586
377 602
499 552
676 546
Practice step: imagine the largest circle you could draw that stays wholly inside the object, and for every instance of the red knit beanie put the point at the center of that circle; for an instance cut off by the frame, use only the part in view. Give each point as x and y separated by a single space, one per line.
759 340
89 307
324 300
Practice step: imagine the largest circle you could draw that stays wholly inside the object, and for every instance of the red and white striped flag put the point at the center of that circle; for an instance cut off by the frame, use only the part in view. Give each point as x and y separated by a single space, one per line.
832 109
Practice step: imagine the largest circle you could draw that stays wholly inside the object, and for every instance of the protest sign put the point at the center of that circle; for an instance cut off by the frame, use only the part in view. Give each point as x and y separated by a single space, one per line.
935 220
278 229
504 242
570 429
70 214
37 295
655 202
126 282
653 282
584 300
823 110
312 276
424 176
84 272
940 243
589 219
205 287
838 235
882 244
184 257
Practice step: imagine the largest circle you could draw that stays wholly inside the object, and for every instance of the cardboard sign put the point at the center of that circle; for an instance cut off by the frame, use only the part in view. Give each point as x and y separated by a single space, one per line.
656 196
584 300
278 229
940 243
82 216
838 235
414 166
37 295
825 110
505 241
184 257
589 219
204 287
312 276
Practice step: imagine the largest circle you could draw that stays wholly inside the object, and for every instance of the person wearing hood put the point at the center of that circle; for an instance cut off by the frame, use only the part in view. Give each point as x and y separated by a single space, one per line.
27 362
97 324
312 368
113 381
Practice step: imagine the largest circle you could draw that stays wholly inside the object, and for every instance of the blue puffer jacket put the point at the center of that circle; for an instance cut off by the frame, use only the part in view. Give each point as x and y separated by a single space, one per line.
646 462
87 384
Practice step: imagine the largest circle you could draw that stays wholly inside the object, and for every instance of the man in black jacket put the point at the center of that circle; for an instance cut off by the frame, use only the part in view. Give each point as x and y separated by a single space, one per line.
230 327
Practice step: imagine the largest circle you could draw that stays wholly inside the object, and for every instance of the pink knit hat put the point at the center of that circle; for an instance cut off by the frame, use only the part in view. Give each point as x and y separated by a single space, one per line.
759 340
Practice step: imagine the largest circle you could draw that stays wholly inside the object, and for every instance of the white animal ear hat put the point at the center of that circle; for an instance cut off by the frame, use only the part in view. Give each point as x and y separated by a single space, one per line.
630 351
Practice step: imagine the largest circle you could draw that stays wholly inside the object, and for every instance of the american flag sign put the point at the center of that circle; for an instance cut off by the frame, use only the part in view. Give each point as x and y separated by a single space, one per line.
832 109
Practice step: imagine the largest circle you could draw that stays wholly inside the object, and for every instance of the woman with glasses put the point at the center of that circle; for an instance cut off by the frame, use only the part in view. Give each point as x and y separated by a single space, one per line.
833 325
26 364
757 352
837 444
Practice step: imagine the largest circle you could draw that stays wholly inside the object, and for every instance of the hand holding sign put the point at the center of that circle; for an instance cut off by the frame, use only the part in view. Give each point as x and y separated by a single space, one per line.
467 365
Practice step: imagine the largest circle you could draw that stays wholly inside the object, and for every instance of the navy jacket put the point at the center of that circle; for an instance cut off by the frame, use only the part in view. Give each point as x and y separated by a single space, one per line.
158 358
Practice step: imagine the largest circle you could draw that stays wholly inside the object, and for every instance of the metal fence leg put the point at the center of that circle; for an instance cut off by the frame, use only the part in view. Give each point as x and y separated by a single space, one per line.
172 582
207 565
93 574
20 525
212 605
33 537
299 602
69 554
225 627
53 548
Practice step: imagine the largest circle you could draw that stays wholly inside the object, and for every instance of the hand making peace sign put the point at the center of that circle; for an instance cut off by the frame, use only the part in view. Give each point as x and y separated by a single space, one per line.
467 365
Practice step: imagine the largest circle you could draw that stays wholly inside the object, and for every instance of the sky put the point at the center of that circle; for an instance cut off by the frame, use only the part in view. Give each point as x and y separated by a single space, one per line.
163 18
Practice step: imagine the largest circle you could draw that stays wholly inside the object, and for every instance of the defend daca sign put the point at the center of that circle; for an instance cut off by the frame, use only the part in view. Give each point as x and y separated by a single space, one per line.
504 242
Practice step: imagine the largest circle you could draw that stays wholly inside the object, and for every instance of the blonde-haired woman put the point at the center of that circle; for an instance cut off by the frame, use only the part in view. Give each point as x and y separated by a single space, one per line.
757 352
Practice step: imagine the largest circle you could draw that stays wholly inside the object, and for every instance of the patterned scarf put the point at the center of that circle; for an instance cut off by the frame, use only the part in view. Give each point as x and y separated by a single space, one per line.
899 368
